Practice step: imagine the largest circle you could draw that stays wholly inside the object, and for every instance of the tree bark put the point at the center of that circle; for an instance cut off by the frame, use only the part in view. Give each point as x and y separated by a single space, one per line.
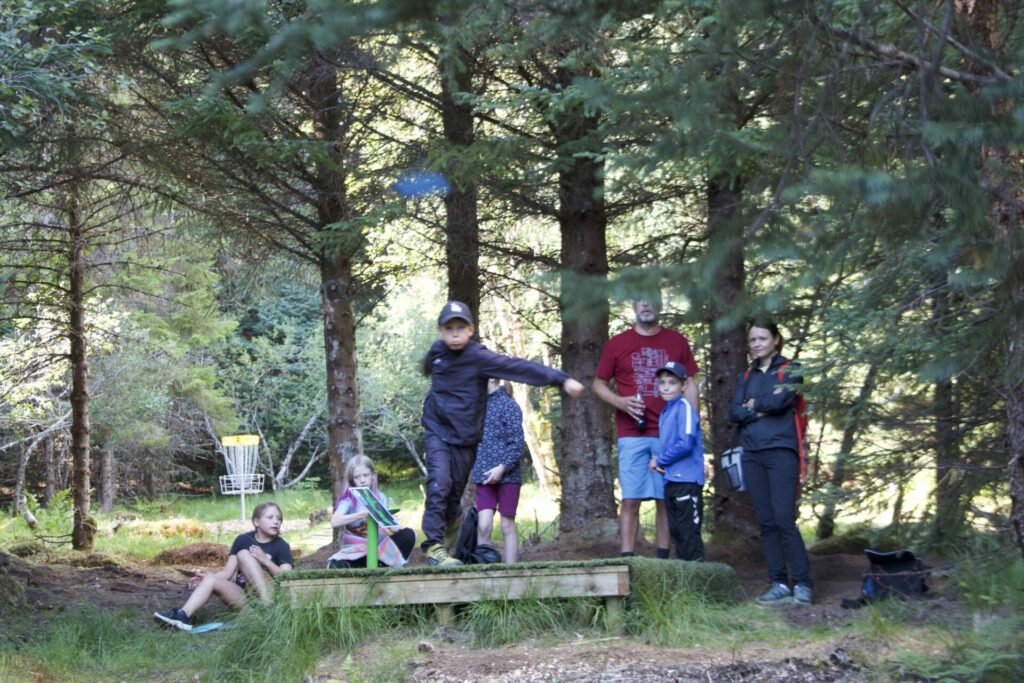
585 456
982 17
106 489
83 526
733 513
50 488
149 481
337 281
344 426
462 240
19 479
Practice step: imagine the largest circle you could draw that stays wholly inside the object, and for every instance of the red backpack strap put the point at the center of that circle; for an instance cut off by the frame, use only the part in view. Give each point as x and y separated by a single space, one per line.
800 420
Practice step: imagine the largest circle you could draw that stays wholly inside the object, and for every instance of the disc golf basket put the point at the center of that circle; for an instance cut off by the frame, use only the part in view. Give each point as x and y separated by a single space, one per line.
241 455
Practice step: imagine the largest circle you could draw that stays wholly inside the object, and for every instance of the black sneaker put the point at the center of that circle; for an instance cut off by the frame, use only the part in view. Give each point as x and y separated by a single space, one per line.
175 618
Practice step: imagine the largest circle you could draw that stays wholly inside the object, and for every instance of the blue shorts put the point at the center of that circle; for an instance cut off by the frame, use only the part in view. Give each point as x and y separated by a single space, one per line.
635 478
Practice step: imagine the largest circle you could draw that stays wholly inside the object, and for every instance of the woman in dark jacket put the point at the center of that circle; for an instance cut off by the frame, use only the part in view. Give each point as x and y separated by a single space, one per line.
762 406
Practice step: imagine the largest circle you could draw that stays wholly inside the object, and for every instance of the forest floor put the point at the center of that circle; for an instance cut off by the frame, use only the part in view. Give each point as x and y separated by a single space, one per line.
97 581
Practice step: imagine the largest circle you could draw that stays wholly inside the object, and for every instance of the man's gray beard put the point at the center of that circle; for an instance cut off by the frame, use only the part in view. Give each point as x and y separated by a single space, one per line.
647 318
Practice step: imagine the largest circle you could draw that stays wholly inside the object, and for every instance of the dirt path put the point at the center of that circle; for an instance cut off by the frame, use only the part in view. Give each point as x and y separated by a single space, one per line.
54 586
613 660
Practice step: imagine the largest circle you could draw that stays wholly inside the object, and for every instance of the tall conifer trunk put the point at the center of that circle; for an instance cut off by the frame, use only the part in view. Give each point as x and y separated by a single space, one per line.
982 17
733 513
83 527
462 241
337 286
584 464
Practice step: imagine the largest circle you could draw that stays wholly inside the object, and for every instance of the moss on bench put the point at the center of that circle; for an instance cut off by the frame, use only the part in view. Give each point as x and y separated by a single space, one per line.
650 578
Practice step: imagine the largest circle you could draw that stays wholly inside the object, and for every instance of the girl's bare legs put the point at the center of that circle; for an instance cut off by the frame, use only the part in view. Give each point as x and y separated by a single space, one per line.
255 575
484 526
510 537
228 591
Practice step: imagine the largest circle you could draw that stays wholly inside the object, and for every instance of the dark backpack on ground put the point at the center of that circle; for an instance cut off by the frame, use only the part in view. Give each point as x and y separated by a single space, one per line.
898 574
466 549
465 543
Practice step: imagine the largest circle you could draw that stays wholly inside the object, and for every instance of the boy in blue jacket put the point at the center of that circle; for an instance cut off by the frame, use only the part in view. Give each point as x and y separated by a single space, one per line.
681 461
453 415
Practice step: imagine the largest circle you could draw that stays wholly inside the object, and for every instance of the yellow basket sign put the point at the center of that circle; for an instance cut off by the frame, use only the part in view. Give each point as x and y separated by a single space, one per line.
240 440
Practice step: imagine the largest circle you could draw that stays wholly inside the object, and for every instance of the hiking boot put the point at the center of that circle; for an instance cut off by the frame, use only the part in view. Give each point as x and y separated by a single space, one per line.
778 595
437 556
175 618
802 594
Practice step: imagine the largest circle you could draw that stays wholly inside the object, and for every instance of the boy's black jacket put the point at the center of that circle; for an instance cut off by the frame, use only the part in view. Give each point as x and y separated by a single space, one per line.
454 408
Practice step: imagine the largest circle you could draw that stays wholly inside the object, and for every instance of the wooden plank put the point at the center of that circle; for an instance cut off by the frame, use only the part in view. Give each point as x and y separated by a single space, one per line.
613 612
445 614
507 584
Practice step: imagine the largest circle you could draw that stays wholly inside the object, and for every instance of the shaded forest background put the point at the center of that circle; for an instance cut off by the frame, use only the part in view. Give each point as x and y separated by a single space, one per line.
199 235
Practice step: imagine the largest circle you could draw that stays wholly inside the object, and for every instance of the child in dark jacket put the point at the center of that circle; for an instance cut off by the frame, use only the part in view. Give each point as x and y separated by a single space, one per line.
681 461
453 414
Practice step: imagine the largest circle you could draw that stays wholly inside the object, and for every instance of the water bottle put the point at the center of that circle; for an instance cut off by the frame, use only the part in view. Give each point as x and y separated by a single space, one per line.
641 422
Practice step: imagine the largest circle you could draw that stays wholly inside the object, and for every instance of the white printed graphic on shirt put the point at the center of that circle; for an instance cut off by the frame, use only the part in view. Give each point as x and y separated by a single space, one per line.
645 363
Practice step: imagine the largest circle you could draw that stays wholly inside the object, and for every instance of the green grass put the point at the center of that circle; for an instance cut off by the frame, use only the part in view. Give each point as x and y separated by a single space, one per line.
278 643
490 623
93 645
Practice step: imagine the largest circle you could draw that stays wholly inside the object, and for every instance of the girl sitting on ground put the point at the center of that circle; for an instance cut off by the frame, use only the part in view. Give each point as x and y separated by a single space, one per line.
394 545
254 559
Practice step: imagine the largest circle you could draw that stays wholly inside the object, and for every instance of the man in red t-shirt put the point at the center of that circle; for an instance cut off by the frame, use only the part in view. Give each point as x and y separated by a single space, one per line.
630 360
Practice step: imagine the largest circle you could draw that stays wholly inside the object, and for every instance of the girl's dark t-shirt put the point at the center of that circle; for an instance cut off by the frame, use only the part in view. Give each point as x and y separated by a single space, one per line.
278 549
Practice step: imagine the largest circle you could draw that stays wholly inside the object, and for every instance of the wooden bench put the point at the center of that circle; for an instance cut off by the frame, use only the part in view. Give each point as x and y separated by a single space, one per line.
445 589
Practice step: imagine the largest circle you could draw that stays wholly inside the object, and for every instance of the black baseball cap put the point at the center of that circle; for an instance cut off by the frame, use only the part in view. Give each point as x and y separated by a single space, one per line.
674 368
453 310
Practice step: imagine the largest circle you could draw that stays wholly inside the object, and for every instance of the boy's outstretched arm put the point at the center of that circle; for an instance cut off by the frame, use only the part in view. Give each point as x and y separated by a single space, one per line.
573 388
